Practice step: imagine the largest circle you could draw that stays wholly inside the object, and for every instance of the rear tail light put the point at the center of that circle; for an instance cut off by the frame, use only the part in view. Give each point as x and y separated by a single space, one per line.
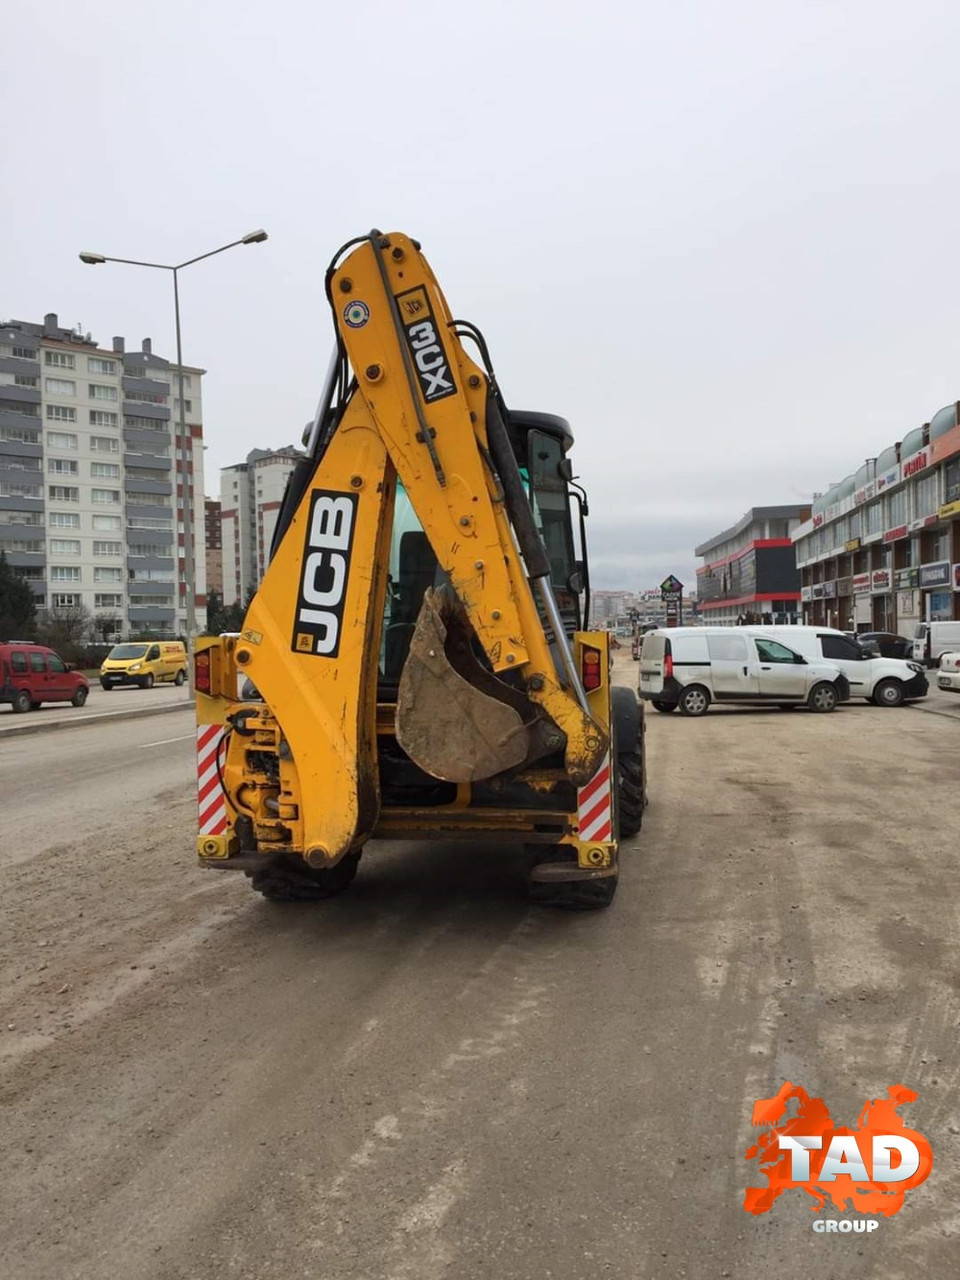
202 672
590 669
668 667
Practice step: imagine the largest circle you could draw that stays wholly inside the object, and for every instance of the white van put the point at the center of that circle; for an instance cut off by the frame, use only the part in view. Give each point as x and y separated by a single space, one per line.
690 667
933 639
886 682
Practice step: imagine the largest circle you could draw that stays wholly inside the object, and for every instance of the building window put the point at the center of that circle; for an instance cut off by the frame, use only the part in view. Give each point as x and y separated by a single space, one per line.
150 499
897 509
20 435
64 520
22 464
59 360
872 520
151 602
24 380
144 522
64 573
102 418
60 387
63 467
105 470
34 547
99 392
21 517
61 440
136 370
14 489
951 481
925 495
108 548
108 575
144 424
63 493
64 600
104 444
108 600
107 524
145 397
95 364
61 413
105 497
23 353
64 546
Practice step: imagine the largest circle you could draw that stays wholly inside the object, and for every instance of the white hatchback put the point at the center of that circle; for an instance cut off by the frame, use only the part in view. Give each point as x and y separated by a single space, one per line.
948 673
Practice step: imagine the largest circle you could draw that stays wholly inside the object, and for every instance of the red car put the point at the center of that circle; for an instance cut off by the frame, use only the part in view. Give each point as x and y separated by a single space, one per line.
31 674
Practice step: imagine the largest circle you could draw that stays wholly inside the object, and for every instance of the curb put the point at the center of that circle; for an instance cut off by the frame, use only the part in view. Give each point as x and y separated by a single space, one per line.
134 714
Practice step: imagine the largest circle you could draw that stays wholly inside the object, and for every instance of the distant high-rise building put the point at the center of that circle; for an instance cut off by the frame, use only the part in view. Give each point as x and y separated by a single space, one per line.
93 474
214 543
250 496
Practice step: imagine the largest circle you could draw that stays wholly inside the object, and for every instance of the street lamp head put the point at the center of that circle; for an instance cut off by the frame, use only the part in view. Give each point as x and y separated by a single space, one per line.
254 237
92 258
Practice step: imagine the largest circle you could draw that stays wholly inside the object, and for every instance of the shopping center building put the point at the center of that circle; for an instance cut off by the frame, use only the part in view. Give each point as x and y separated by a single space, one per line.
749 571
880 551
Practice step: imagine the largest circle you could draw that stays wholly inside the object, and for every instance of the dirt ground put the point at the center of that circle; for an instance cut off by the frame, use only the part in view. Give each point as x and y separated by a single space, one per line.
427 1078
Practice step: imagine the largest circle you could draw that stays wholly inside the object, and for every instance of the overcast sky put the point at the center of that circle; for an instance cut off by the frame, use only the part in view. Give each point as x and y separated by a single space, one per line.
720 237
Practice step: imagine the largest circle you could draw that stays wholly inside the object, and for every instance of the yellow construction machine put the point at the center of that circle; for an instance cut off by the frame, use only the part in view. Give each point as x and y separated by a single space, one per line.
415 663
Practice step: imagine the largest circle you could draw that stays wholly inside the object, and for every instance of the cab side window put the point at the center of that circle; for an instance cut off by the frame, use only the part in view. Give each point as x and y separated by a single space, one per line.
770 651
37 662
153 653
840 647
54 663
18 661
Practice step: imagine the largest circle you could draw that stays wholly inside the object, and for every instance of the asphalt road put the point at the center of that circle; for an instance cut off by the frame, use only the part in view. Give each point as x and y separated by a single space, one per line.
428 1079
99 703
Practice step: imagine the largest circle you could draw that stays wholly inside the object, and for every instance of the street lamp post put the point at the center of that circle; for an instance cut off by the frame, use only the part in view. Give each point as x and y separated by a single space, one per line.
189 563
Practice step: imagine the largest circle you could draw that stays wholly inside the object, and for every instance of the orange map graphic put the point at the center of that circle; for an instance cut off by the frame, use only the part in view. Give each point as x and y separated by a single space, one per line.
878 1117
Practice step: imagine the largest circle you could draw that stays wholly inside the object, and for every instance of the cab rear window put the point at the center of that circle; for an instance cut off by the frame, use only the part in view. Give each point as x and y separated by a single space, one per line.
37 662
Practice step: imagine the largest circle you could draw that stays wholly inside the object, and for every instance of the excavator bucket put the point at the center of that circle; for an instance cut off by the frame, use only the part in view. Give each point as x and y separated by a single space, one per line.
449 721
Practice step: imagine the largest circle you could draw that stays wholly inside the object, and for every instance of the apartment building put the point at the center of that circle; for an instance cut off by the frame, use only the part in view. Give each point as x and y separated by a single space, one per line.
214 544
94 475
881 549
251 493
750 569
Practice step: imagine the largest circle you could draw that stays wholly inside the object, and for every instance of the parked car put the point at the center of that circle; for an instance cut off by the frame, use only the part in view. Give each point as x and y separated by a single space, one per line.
886 682
933 639
31 674
884 644
145 663
948 675
691 667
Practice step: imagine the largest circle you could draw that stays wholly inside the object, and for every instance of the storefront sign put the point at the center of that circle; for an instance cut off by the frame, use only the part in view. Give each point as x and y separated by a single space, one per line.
949 509
916 463
806 594
880 580
854 543
818 521
907 604
818 591
829 590
904 579
865 493
888 479
844 587
935 575
861 584
893 535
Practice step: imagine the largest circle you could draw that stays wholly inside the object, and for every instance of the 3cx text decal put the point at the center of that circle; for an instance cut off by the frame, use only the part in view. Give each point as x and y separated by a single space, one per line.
426 349
325 573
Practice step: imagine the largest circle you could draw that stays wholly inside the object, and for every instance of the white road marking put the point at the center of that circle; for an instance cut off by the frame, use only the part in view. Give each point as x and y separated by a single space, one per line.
164 741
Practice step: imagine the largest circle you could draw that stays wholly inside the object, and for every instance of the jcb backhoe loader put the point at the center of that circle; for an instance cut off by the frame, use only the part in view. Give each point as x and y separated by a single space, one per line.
413 665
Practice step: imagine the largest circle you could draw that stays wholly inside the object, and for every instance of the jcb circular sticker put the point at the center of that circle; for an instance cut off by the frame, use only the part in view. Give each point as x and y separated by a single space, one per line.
356 314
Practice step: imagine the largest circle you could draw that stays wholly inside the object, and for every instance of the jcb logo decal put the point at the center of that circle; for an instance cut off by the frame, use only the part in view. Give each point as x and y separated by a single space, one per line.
426 349
325 572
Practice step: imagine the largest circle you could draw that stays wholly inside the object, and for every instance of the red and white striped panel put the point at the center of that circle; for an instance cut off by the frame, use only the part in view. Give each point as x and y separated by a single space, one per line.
595 806
213 805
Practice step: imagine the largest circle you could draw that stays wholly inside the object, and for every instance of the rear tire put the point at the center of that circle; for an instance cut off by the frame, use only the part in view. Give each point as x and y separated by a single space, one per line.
888 693
631 791
694 701
22 701
822 697
146 682
665 707
289 879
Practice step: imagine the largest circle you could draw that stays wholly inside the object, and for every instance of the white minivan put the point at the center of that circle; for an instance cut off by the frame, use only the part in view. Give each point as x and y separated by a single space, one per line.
932 640
690 667
886 682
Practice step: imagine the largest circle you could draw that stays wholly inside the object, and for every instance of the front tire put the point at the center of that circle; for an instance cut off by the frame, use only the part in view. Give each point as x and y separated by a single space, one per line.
694 701
22 702
79 698
888 693
106 685
179 679
146 682
289 879
822 697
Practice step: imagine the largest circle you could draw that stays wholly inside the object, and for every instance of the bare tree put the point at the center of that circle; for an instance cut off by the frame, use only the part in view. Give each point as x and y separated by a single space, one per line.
66 628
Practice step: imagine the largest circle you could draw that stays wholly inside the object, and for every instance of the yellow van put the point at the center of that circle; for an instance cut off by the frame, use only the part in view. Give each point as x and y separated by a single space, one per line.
144 662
